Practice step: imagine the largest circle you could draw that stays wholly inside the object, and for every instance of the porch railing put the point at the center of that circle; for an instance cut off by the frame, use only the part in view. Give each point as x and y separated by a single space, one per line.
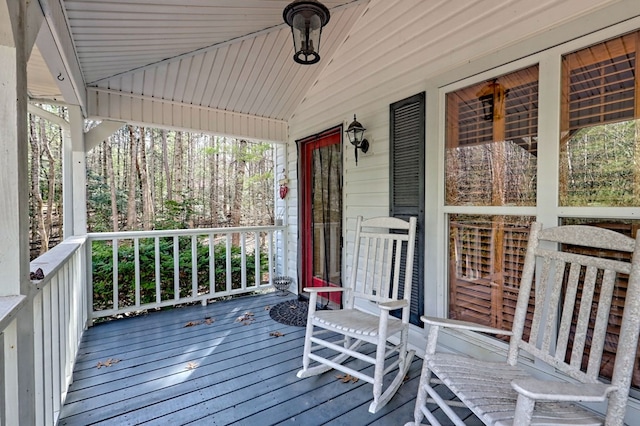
39 337
154 269
40 331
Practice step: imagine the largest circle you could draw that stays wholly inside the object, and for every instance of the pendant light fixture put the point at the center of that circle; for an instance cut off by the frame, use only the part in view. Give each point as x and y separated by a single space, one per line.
306 19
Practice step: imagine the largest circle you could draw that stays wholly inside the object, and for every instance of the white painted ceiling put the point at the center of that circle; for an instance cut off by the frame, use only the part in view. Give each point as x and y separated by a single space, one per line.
231 55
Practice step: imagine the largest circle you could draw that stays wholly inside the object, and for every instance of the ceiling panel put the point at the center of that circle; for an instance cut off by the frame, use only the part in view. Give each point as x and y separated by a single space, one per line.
253 75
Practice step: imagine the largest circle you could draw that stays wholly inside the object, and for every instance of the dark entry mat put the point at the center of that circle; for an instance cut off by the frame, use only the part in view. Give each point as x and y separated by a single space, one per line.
290 312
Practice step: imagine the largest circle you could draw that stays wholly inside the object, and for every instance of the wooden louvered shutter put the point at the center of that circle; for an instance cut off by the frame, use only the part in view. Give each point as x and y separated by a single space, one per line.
406 177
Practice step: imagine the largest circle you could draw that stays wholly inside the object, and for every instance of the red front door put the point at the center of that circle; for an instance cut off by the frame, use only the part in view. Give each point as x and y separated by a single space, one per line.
321 212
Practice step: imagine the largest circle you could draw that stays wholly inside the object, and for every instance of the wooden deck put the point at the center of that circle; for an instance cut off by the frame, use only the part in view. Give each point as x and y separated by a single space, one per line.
198 365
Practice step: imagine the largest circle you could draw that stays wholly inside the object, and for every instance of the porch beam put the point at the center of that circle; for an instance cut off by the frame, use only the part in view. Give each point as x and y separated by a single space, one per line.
35 17
144 110
55 119
100 133
56 46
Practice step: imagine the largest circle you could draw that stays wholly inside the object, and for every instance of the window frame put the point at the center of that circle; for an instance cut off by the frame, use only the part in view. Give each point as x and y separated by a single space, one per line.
547 209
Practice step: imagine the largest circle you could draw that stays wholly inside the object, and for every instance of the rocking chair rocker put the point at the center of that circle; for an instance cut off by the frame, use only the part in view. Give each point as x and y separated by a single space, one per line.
382 246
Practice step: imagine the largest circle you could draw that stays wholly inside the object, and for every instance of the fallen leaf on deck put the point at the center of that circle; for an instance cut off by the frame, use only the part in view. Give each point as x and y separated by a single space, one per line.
108 363
347 378
276 334
246 318
209 320
192 323
191 366
267 308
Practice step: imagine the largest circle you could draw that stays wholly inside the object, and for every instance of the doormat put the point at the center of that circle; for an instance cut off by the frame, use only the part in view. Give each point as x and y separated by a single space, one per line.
291 312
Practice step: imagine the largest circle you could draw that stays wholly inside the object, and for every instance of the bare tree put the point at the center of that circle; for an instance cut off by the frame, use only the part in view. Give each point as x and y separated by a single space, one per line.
165 163
131 199
51 180
178 161
112 185
236 209
143 174
36 194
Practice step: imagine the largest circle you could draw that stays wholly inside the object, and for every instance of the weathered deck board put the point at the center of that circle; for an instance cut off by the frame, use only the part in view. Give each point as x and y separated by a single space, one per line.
215 374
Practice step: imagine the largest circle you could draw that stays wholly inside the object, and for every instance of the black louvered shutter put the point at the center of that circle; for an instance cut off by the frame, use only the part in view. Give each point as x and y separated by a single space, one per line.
406 176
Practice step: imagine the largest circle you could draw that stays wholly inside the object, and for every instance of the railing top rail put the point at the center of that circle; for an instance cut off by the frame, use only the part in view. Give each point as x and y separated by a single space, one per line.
55 258
178 232
9 306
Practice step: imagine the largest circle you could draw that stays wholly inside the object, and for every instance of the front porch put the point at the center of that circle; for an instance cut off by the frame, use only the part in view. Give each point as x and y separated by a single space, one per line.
216 371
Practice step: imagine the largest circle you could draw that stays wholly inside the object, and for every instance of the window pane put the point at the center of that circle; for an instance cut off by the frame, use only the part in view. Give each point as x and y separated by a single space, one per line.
492 141
599 151
486 255
629 228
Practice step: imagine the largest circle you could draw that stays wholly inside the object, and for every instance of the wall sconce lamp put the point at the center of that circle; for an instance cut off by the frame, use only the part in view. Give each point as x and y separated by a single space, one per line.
355 132
492 97
306 19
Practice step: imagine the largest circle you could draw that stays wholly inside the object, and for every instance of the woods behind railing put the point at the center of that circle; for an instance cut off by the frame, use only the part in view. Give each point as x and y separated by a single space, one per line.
132 271
40 331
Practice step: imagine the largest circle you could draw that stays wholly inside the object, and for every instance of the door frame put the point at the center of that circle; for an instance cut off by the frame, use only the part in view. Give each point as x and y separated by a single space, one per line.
306 146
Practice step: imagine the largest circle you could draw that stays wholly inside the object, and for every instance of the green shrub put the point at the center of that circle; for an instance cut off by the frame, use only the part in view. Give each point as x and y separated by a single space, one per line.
103 269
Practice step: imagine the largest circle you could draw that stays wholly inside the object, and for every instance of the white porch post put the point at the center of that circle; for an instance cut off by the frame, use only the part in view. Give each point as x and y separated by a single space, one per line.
18 348
14 190
67 184
78 172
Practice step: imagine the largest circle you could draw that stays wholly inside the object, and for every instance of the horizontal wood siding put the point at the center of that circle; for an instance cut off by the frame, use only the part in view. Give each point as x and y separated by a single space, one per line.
393 51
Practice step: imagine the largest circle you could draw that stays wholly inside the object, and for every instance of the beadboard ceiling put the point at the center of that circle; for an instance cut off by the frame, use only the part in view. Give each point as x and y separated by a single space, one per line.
230 61
229 55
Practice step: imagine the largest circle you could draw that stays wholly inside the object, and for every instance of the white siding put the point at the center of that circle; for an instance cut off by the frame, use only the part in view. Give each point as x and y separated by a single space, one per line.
400 48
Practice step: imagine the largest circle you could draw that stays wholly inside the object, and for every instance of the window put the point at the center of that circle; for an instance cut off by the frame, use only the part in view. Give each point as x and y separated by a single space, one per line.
599 146
599 151
491 160
492 142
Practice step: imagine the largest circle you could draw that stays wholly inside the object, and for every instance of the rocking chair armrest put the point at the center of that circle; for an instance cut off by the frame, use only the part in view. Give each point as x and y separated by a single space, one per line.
545 390
323 289
463 325
393 305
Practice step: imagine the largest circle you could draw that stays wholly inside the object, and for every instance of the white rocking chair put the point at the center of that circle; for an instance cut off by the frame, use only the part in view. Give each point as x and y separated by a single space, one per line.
572 307
382 245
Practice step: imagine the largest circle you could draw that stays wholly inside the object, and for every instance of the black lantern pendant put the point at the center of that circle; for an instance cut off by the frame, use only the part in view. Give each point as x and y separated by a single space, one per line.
492 96
355 132
306 19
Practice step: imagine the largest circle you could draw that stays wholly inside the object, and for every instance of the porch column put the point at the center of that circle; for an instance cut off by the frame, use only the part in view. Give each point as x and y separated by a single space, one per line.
78 173
14 189
16 405
67 183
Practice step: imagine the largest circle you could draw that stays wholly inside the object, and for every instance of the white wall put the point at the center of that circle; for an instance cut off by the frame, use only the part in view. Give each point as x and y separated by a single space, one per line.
400 48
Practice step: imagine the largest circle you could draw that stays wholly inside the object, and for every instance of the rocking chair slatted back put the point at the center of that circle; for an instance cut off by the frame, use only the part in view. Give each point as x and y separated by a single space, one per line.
574 314
381 256
383 246
570 281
